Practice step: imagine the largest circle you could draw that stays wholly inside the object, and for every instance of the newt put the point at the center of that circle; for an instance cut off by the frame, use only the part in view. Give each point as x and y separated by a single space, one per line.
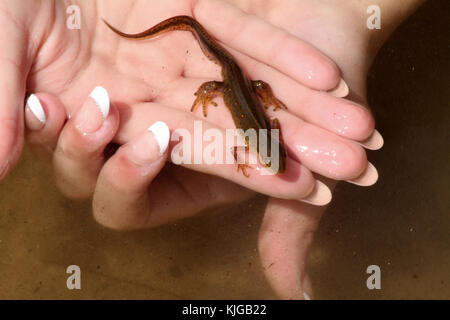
242 97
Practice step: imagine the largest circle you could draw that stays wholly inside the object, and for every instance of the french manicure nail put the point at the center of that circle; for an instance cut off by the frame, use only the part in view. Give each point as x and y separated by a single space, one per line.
94 111
374 142
36 109
367 178
341 90
161 133
320 196
101 99
143 150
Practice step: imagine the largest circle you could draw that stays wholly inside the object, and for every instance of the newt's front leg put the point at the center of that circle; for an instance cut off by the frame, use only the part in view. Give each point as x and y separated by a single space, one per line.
264 92
206 93
241 166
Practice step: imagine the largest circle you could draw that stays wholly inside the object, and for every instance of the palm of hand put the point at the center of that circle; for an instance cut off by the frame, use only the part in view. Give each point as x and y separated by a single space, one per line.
72 63
163 73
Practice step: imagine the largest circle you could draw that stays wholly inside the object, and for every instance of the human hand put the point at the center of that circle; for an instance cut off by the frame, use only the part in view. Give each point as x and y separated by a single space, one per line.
288 226
130 130
339 30
318 149
136 91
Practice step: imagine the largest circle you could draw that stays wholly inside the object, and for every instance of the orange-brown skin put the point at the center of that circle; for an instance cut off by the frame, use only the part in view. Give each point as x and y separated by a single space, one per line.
239 94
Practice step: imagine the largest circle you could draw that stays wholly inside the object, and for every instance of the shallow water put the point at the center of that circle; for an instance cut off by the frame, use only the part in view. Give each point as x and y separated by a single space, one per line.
402 224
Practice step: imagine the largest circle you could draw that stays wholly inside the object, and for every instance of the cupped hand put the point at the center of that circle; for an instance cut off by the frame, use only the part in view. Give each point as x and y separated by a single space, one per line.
132 186
69 63
288 227
322 131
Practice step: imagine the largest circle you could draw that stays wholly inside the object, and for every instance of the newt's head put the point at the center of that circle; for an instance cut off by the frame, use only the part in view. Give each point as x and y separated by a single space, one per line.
274 157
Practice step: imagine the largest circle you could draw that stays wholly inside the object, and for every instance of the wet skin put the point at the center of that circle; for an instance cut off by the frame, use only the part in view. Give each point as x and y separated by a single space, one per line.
244 98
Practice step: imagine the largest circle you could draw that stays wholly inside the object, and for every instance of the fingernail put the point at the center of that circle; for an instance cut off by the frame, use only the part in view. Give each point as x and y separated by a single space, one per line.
306 296
94 111
37 121
143 150
101 99
320 196
367 178
374 142
341 90
162 135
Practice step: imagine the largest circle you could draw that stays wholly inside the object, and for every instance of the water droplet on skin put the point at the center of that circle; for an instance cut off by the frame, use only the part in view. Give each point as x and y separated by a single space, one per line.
324 158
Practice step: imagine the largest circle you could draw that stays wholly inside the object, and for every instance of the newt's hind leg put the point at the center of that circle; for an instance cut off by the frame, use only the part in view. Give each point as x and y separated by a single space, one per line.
264 92
241 166
206 93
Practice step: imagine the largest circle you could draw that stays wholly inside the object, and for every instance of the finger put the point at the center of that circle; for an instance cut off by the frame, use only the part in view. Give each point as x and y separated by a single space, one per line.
78 156
284 239
121 198
297 182
340 116
323 152
318 149
367 178
269 44
176 193
374 142
13 70
44 118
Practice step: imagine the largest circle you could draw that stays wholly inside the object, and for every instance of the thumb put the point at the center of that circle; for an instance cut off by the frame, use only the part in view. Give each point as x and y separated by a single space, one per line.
285 236
121 198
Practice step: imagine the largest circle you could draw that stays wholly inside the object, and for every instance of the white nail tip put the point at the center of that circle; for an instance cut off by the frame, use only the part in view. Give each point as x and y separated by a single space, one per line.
374 142
306 296
101 99
377 135
368 178
341 90
35 107
320 196
162 135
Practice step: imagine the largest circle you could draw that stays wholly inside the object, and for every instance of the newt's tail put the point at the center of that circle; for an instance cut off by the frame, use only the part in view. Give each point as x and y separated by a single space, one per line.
184 23
208 45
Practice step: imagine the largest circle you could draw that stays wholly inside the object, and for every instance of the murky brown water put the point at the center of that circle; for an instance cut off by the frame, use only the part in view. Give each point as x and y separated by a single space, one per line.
402 224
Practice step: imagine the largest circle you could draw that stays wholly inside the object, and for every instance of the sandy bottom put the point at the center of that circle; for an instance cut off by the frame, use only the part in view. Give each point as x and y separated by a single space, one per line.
402 224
